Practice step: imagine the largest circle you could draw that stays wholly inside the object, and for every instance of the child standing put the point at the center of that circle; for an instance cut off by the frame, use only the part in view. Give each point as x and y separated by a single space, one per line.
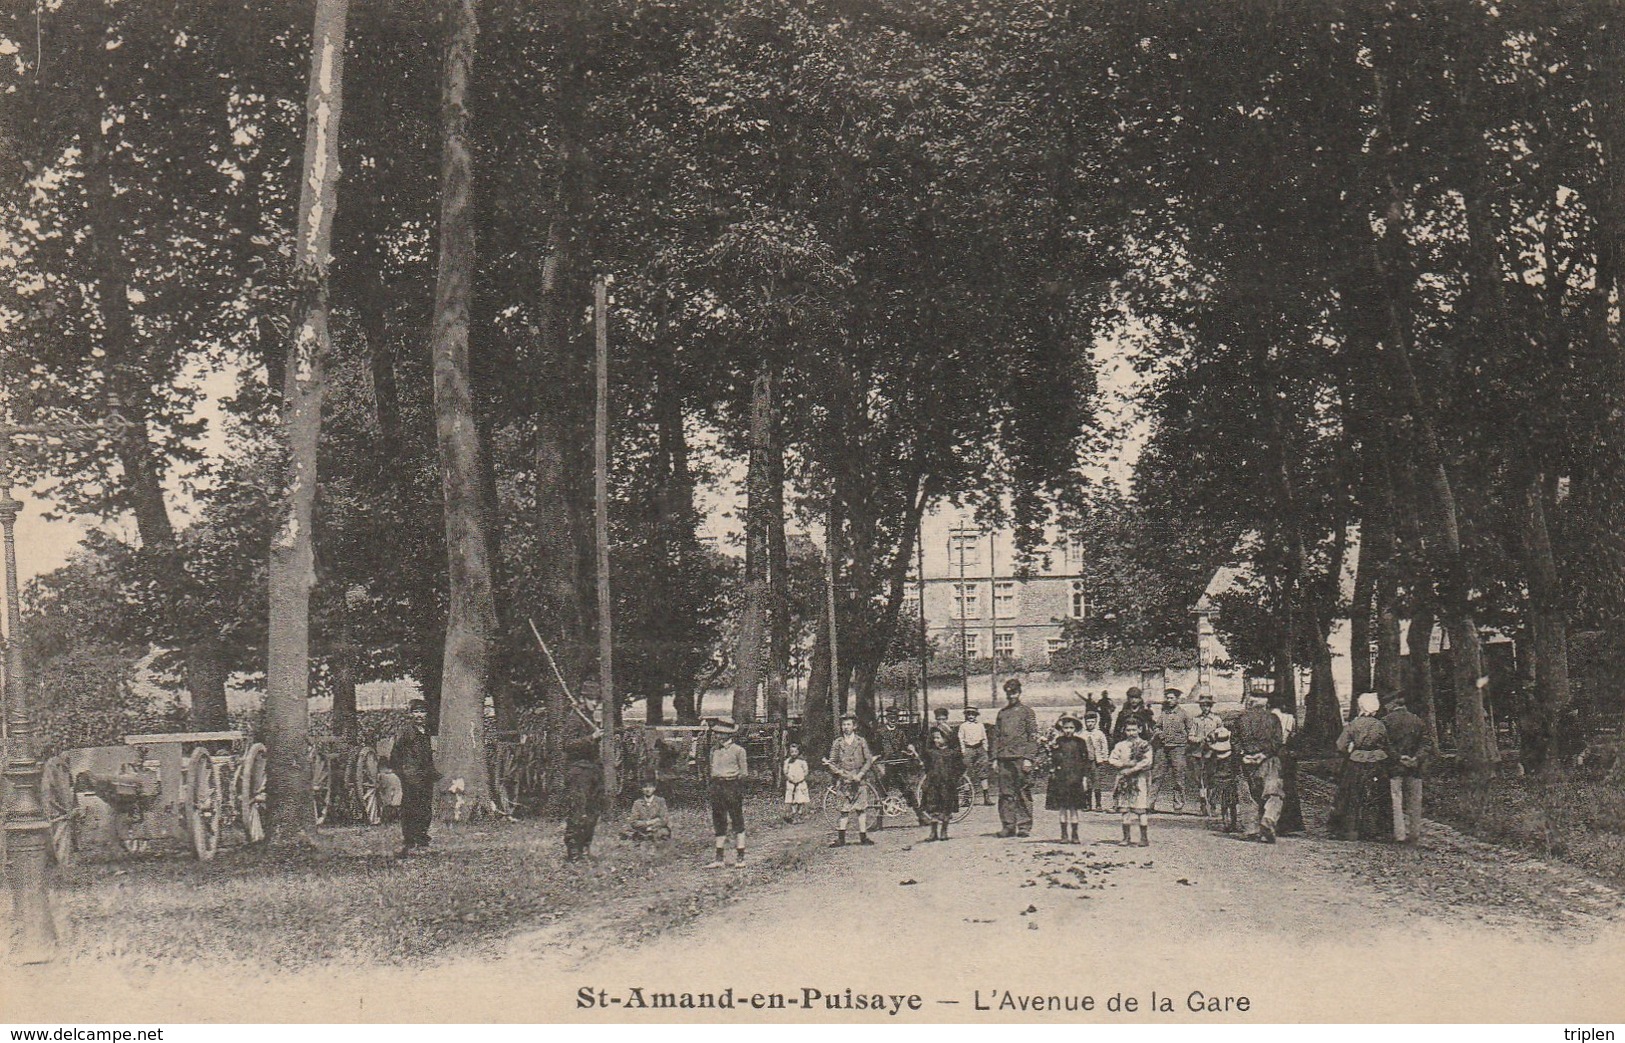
939 793
795 784
1132 793
1099 752
583 797
849 761
1223 773
650 818
727 792
1068 789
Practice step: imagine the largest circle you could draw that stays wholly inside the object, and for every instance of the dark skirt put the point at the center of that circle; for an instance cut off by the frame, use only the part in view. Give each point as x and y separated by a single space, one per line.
939 791
1356 813
1067 792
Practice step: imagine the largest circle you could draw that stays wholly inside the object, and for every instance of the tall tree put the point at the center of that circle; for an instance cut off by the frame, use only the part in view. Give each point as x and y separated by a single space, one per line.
292 557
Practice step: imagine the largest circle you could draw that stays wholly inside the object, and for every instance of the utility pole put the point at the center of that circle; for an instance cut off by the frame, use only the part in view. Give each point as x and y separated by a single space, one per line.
956 542
834 628
925 649
993 615
606 643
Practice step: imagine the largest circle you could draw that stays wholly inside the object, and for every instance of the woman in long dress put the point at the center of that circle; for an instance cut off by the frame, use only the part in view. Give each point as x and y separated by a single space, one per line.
1362 782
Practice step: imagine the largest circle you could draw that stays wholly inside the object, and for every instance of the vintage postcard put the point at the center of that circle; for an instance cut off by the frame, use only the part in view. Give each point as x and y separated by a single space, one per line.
816 511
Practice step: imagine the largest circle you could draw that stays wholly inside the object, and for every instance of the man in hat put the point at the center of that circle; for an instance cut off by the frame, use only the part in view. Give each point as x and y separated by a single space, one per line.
1133 707
1172 736
973 742
899 760
1015 744
727 792
1410 746
1257 734
1203 725
412 760
850 760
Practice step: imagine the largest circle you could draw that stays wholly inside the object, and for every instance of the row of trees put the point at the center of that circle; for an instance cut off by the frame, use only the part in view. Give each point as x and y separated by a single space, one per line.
1366 259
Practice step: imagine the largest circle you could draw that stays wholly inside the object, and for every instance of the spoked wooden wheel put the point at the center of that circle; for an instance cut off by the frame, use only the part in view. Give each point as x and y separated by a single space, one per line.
369 808
967 797
504 780
204 804
251 793
61 809
321 785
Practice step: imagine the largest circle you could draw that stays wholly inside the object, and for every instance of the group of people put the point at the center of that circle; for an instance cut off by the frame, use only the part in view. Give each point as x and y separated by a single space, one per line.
1243 772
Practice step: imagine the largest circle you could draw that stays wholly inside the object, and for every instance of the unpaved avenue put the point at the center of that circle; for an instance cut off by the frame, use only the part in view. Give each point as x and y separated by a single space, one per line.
1307 929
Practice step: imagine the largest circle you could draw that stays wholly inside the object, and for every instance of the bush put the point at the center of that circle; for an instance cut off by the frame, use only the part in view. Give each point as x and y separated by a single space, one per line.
84 699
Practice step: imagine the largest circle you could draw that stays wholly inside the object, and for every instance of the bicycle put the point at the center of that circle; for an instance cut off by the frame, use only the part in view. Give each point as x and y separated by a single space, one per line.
874 804
967 796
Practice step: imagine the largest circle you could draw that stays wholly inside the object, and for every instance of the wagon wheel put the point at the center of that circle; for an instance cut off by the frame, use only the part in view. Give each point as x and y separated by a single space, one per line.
363 774
251 793
321 785
204 804
61 809
504 780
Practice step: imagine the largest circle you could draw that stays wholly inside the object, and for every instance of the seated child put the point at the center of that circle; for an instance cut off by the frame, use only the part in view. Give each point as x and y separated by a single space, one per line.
650 819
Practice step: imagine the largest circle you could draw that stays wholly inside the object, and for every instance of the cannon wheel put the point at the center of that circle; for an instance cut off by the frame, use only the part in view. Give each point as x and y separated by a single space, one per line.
203 804
251 790
364 787
321 784
61 809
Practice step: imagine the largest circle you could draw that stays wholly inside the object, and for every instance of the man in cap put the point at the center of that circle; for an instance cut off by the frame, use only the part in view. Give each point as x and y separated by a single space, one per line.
940 723
1257 734
727 792
412 760
1410 747
1015 744
1203 725
973 742
1172 736
899 760
1133 706
850 760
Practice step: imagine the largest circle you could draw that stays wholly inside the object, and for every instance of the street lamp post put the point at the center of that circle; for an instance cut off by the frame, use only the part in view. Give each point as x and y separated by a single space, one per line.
34 932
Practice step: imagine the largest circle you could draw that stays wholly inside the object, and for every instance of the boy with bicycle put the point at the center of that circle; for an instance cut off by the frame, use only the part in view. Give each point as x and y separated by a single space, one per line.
849 761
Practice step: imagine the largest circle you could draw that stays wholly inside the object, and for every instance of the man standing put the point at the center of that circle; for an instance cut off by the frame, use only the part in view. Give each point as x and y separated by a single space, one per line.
1257 736
412 761
850 760
1410 746
973 741
1172 736
1203 725
1015 743
899 760
1133 707
727 793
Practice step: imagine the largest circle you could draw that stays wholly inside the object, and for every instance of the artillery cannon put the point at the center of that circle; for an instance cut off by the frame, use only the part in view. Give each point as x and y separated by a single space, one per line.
185 786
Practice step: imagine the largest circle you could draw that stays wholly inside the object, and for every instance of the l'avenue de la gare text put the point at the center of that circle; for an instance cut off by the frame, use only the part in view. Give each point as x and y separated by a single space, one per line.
998 1000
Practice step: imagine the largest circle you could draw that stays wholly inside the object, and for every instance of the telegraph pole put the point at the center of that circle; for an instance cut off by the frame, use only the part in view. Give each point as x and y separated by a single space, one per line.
606 644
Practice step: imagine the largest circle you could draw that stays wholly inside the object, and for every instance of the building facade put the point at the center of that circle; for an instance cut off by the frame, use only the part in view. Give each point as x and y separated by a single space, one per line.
974 599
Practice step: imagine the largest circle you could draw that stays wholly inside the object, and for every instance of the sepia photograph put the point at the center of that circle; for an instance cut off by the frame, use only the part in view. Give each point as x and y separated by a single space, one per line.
821 512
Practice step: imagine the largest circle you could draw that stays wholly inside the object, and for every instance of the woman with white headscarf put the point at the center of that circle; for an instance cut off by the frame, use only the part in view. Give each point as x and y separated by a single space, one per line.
1360 786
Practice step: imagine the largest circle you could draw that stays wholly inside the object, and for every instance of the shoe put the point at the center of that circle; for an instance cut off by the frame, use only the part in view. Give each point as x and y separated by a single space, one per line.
1023 833
986 803
839 841
404 852
1007 832
1268 832
740 864
717 864
863 838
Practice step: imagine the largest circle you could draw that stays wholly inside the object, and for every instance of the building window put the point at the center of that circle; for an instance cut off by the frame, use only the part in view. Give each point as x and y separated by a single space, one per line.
1004 645
1004 600
1072 556
973 645
911 599
1054 646
966 604
965 550
1080 600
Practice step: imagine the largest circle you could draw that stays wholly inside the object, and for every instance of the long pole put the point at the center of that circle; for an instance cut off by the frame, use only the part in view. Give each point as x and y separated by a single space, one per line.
925 651
993 616
834 627
964 653
606 643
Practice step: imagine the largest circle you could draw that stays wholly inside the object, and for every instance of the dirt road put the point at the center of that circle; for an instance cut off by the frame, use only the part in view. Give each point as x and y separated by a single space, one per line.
977 927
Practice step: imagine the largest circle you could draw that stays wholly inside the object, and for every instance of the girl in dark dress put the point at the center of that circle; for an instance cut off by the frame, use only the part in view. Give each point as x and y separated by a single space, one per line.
1068 789
939 791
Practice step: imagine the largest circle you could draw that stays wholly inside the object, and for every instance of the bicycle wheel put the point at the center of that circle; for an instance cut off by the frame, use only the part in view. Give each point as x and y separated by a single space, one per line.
967 796
874 806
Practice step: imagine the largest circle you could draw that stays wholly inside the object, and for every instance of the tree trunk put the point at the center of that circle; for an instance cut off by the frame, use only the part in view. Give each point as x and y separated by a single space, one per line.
778 574
206 681
1366 566
471 609
1417 642
817 719
292 559
1548 623
750 654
